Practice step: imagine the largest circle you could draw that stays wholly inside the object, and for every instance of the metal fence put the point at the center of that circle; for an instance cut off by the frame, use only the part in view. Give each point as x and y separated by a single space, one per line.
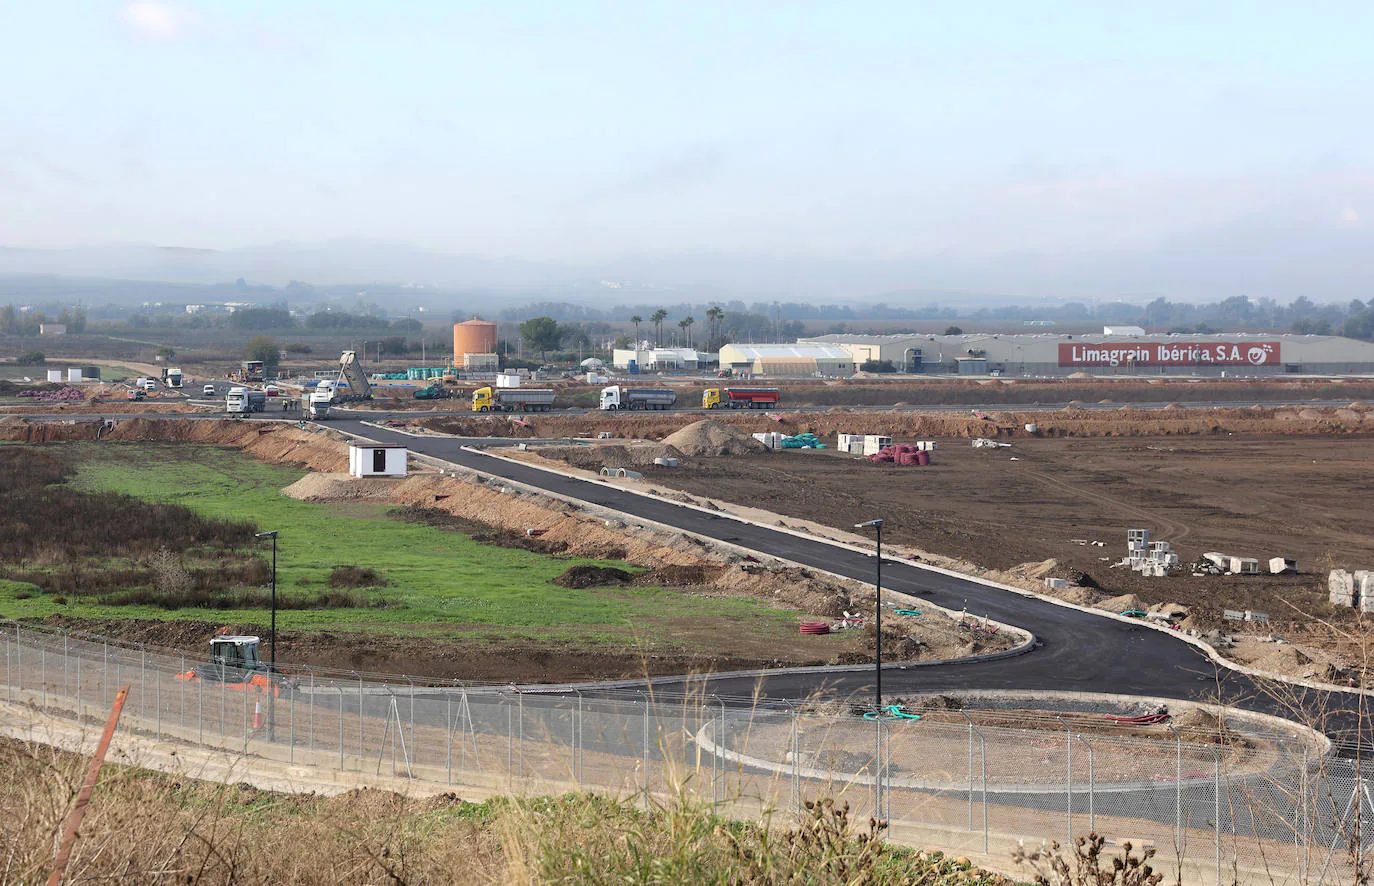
1265 807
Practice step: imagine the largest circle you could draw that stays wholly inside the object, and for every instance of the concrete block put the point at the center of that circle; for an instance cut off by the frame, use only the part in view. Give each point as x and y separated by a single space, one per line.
1218 559
1244 566
1056 583
1341 587
1280 565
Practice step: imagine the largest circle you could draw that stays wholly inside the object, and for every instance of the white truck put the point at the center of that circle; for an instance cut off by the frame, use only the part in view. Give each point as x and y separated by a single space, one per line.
172 378
245 400
315 405
617 397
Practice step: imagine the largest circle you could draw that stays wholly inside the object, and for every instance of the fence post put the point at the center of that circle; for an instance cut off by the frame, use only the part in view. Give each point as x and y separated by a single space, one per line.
1303 836
794 742
414 751
78 685
718 760
19 657
43 675
157 700
66 666
1092 783
339 687
142 667
1068 779
520 726
200 704
275 687
1178 793
510 743
1216 806
644 748
312 710
362 752
983 747
577 742
181 690
9 668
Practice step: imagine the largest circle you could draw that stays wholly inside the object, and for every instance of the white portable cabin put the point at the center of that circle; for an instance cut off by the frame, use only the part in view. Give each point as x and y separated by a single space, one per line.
376 460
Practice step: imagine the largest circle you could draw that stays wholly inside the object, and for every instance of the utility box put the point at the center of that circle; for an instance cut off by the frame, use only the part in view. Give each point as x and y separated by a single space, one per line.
376 460
508 380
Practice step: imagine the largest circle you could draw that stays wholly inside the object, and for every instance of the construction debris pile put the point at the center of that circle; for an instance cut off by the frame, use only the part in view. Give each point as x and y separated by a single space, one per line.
1352 588
65 394
1217 563
1148 558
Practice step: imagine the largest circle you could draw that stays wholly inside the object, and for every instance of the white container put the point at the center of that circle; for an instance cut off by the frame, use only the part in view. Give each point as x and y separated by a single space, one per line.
874 443
507 380
925 445
73 375
1244 566
370 460
54 375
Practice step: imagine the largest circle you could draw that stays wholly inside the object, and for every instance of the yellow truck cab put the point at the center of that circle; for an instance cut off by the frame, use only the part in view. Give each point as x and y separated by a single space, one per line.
710 398
482 399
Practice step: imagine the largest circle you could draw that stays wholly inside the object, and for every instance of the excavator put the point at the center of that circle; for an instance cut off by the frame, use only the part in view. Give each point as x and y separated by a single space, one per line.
234 662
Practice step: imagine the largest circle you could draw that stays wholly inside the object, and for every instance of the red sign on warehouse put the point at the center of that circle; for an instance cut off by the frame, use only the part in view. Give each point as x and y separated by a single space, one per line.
1193 353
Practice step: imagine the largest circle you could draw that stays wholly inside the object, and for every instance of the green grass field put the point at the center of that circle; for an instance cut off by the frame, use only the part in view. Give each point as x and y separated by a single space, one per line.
446 583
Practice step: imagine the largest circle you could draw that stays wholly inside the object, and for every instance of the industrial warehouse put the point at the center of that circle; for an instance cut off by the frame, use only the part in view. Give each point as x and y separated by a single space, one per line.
1111 353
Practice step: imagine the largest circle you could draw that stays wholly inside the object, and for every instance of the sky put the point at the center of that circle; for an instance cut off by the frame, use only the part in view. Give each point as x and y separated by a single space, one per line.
962 133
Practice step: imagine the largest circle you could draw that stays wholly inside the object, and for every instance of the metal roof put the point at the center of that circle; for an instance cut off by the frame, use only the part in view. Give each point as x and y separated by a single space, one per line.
779 352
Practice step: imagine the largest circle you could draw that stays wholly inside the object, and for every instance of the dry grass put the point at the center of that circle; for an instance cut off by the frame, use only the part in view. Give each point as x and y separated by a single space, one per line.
149 828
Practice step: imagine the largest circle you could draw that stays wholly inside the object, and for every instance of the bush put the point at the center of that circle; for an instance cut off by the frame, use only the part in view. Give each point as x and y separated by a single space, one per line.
878 366
355 577
32 358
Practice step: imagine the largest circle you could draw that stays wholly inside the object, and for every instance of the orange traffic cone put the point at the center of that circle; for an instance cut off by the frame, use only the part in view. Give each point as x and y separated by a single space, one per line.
257 715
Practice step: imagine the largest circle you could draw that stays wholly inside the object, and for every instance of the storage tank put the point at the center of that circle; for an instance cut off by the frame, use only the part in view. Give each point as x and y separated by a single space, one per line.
473 337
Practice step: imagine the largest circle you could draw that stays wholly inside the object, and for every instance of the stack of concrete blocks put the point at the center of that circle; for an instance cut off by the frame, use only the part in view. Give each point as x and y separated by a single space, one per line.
1363 580
771 439
1341 587
1137 547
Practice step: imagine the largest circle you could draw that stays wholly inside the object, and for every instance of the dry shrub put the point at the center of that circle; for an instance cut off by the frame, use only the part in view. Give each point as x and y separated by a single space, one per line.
355 577
1088 866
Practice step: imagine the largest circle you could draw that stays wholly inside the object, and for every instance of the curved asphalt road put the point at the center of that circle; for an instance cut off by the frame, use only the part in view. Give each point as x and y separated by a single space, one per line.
1077 651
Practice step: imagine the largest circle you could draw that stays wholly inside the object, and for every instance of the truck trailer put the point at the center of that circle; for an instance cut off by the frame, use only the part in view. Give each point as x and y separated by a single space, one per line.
739 398
617 397
245 400
489 399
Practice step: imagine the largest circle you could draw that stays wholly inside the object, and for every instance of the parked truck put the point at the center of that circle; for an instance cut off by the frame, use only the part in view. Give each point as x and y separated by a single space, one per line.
315 405
618 397
245 400
172 378
739 398
489 399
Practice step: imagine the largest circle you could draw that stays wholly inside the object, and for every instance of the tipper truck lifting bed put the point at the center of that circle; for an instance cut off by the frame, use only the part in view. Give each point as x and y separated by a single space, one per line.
617 397
739 398
489 399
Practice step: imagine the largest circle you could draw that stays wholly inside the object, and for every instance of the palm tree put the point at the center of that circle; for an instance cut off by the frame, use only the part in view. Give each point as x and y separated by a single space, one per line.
658 317
685 324
714 315
636 320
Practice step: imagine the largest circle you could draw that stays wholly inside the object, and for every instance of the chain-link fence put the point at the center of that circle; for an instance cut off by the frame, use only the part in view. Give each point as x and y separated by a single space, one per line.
1263 804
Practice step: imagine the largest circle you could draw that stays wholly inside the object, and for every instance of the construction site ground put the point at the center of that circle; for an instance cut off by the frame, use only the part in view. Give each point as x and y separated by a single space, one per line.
1040 507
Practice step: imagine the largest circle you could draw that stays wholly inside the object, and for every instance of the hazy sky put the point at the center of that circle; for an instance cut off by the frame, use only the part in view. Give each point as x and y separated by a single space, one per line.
584 129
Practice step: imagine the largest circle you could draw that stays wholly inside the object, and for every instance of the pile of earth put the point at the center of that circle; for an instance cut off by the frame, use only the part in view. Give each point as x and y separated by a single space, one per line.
709 438
612 455
588 576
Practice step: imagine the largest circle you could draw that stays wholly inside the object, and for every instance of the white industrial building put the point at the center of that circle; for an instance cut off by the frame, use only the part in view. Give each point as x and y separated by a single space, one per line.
804 359
376 460
651 359
1239 354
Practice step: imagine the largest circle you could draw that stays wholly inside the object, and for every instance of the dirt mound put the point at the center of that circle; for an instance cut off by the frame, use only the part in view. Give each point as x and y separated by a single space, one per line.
614 455
709 438
592 577
340 487
1121 604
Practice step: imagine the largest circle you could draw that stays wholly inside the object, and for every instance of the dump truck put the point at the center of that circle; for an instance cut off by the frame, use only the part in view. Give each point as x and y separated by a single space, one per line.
617 397
234 663
489 399
245 400
434 392
351 372
739 398
315 405
172 378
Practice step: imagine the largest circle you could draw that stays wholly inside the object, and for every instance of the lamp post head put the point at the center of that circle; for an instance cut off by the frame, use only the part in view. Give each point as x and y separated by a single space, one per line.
871 524
272 534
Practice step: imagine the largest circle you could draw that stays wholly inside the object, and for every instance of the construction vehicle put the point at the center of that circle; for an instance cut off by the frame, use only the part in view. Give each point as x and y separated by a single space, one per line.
740 398
617 397
489 399
434 392
172 378
234 663
135 394
315 405
245 400
351 373
249 370
208 391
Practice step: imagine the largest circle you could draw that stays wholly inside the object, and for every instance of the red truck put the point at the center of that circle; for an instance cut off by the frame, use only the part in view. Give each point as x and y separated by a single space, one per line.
739 398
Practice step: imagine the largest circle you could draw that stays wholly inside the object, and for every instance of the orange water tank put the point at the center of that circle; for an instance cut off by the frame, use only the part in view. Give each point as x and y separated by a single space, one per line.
473 337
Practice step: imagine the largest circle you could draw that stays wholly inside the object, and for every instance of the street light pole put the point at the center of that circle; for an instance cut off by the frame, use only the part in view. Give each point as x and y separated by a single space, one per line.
272 641
877 526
